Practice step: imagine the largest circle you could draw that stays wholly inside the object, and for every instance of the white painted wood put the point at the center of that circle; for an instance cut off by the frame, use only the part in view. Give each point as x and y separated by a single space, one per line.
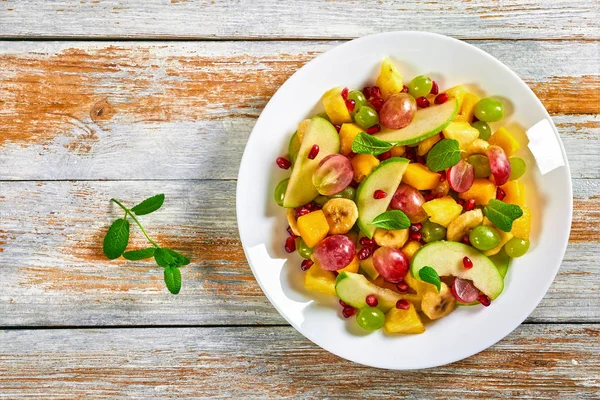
203 19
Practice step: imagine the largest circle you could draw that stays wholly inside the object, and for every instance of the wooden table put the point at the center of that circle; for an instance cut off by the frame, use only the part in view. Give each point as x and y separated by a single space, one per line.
128 98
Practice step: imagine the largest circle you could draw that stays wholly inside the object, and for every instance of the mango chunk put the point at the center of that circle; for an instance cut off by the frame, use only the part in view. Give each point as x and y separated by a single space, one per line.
403 321
443 210
398 151
319 280
313 227
515 193
411 248
389 79
427 144
363 165
468 106
335 106
522 226
462 132
420 177
348 133
352 267
482 192
504 139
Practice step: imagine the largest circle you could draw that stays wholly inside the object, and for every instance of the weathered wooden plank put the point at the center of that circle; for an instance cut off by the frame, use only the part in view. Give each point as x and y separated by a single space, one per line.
54 272
515 19
533 362
80 110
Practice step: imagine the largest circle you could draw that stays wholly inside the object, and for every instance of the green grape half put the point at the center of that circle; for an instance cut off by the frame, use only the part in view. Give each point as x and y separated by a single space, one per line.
420 86
517 168
280 191
489 110
370 318
484 238
516 247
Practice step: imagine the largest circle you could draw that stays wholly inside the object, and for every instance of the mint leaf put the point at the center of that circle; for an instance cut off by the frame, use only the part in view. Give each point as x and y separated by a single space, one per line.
135 255
394 220
164 258
180 258
366 144
430 275
116 239
149 205
173 279
444 154
502 214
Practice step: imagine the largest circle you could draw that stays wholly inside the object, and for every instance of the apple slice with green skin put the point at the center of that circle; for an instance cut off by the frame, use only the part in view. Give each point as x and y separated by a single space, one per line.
353 290
294 147
387 177
427 122
447 259
501 260
300 188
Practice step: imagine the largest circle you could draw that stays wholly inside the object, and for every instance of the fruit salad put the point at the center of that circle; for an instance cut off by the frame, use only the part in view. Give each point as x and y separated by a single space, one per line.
403 202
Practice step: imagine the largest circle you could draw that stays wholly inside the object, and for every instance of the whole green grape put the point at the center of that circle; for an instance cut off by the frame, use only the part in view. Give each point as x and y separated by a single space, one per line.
280 191
366 117
489 110
516 247
348 193
370 318
359 100
517 168
432 232
481 165
484 129
420 86
484 238
303 249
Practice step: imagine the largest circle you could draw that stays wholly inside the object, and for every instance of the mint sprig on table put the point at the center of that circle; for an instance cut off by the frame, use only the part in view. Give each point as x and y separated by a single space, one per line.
394 220
367 144
117 239
502 214
444 154
430 275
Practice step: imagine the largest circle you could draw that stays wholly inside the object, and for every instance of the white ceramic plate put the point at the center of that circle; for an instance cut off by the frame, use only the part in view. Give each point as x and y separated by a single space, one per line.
262 224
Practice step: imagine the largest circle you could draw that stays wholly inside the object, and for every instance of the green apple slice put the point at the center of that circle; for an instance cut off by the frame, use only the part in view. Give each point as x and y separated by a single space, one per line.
294 147
447 259
300 189
353 290
387 177
426 123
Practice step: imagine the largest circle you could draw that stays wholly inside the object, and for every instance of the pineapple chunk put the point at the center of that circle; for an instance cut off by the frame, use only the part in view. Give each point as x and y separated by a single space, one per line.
389 79
427 144
398 151
420 177
462 132
482 191
418 285
352 267
363 165
319 280
348 133
335 106
403 321
479 146
504 139
410 249
457 92
313 227
515 193
442 211
468 105
522 226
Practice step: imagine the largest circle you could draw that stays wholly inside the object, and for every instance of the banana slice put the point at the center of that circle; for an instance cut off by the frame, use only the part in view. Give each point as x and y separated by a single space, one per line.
341 215
463 224
391 238
437 305
290 214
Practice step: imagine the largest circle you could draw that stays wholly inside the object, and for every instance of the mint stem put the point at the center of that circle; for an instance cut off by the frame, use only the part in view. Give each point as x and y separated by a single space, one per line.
128 212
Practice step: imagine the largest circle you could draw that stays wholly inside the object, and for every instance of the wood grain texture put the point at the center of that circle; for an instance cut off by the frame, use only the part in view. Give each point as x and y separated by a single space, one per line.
260 19
533 362
54 272
123 110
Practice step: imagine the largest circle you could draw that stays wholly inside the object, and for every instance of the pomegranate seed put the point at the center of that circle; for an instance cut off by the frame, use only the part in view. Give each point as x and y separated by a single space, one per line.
365 241
337 128
344 93
422 102
377 103
374 129
350 104
442 176
384 156
348 311
402 287
416 236
402 304
470 205
416 227
461 202
429 196
290 244
500 194
441 98
421 160
371 300
483 299
351 155
364 253
283 163
379 194
375 91
313 151
439 195
354 184
434 88
306 264
342 303
404 89
467 263
466 240
367 91
291 232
